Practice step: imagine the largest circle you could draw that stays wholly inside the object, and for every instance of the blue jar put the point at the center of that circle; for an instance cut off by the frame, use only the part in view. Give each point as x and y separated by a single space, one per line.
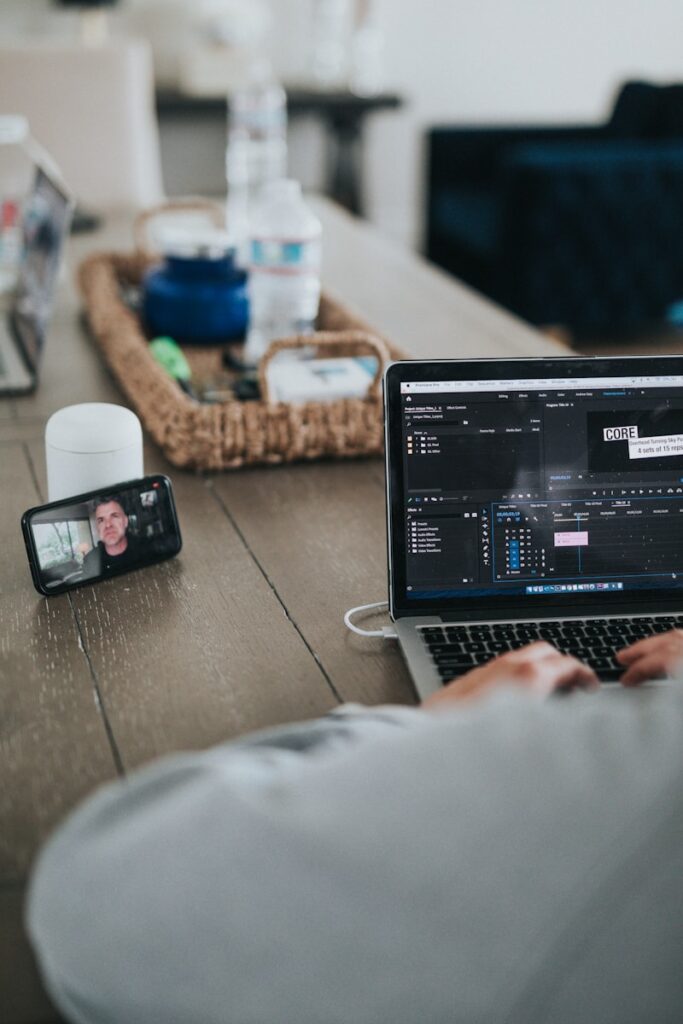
198 296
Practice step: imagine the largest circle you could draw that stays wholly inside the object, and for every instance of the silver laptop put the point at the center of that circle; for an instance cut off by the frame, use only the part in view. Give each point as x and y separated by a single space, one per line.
45 225
532 499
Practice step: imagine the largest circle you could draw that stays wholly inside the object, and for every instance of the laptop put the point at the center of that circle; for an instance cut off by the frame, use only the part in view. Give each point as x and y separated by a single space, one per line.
45 225
532 499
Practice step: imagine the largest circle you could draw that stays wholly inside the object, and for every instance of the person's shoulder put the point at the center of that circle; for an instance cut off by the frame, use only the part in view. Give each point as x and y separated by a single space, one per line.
92 562
135 546
94 552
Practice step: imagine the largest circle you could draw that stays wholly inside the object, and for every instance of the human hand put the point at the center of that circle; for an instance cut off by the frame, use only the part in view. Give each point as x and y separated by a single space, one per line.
538 668
656 657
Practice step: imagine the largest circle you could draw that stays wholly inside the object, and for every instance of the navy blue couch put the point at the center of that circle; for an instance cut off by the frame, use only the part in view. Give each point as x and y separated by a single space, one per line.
576 225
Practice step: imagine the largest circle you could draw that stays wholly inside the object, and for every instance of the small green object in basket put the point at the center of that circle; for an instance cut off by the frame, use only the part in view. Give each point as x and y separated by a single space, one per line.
170 355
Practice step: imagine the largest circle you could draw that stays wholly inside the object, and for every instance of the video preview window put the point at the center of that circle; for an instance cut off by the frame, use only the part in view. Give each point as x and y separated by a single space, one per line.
636 441
114 532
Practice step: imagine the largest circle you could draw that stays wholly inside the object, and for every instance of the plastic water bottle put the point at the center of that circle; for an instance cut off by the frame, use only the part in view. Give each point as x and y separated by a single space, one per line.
257 145
366 73
15 173
330 31
284 268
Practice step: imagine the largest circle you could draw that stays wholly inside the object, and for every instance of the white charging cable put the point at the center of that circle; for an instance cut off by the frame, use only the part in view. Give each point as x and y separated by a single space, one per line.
386 632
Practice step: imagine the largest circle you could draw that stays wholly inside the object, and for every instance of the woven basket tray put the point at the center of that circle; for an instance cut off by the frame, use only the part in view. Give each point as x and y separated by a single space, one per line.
233 433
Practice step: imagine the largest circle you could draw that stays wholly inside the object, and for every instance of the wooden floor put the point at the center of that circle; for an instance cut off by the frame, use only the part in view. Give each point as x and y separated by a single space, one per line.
244 629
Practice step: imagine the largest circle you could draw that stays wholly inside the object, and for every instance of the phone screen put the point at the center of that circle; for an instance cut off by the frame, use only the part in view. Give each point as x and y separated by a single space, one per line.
101 534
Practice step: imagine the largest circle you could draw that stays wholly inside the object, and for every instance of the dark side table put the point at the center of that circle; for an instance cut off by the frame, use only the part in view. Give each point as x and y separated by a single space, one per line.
341 113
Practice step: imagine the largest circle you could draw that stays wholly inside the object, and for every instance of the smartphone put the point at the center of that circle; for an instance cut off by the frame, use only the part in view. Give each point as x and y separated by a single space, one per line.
100 534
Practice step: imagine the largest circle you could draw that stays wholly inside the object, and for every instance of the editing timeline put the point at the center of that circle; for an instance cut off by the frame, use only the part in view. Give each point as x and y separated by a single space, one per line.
543 492
522 554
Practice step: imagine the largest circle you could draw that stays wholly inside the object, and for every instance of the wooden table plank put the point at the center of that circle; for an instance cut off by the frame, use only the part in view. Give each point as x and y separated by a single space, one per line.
319 533
54 748
53 744
197 649
12 431
420 308
22 997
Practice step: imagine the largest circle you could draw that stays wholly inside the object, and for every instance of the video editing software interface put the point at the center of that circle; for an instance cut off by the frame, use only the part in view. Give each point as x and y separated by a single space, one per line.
542 487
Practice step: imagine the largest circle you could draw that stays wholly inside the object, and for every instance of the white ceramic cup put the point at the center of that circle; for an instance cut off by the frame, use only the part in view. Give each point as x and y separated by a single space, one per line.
90 446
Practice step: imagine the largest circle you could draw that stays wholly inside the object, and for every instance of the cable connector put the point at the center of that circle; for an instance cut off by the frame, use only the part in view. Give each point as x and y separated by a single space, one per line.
385 633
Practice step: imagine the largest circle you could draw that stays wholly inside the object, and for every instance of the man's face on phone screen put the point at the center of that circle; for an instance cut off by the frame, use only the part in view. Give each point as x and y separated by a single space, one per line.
112 523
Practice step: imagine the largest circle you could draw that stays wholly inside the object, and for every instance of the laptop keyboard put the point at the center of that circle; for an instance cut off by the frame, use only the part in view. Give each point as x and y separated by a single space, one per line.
455 649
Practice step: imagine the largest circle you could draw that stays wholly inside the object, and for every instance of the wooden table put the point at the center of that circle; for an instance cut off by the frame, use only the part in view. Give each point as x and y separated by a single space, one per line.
244 629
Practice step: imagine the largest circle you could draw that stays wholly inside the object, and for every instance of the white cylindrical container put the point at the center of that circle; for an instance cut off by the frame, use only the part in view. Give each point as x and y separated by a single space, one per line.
284 268
92 445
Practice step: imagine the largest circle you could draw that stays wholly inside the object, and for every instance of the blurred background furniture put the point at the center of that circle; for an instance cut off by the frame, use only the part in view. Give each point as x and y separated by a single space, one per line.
93 109
577 226
341 114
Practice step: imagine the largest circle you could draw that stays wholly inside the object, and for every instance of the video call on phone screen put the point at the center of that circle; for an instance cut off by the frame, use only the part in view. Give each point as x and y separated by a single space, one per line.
101 536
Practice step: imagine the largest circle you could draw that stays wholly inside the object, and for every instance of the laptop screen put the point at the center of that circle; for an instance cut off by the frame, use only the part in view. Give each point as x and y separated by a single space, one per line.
45 224
537 491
